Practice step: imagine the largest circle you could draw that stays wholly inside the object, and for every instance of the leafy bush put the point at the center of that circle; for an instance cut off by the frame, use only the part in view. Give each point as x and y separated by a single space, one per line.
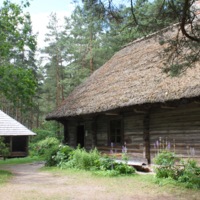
60 156
65 157
94 161
49 156
166 161
81 159
44 147
47 129
4 149
185 172
123 168
190 174
105 163
165 158
41 135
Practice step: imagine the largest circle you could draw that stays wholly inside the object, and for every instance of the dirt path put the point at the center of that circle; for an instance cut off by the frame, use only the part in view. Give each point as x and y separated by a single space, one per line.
29 183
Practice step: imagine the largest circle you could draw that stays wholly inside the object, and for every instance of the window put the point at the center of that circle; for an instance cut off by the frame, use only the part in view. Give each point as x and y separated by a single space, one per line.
115 131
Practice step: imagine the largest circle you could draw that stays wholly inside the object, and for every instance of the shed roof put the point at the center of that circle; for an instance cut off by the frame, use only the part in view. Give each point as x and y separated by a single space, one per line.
133 76
11 127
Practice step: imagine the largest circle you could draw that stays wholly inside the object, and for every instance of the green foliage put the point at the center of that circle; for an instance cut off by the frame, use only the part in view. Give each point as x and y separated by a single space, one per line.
109 173
4 176
47 129
166 161
107 166
190 174
48 155
165 158
181 54
43 147
17 84
106 163
184 172
81 159
123 168
4 149
58 155
14 161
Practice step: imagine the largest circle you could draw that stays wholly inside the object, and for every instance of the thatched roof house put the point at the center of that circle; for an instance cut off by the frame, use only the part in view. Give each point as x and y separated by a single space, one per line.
131 102
133 76
15 134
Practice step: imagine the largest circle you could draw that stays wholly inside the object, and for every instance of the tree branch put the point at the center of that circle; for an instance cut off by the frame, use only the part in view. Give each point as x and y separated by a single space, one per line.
184 20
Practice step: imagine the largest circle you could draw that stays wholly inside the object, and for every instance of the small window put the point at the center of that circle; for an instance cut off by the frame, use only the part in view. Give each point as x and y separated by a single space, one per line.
115 131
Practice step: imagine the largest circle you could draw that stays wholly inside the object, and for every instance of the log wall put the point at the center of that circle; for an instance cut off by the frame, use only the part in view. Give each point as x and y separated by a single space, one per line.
88 134
133 134
102 131
176 128
72 130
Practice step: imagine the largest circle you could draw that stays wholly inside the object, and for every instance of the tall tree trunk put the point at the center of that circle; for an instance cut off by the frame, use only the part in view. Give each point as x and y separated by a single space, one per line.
91 54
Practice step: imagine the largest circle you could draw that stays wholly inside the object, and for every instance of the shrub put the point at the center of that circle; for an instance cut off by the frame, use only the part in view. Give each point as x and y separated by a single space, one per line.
61 156
81 159
190 174
185 172
92 160
4 149
49 156
123 168
44 146
165 158
166 161
47 129
106 163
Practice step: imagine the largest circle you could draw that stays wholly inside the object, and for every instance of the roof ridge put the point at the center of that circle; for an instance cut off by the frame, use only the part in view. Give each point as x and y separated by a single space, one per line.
151 35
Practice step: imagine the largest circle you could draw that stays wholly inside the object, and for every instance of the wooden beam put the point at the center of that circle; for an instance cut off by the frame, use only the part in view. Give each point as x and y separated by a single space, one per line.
140 111
94 132
26 148
11 144
66 132
112 113
64 122
167 107
146 137
197 102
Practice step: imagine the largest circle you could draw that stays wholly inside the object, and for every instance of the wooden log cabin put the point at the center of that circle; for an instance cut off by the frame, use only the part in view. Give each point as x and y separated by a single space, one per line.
15 135
130 104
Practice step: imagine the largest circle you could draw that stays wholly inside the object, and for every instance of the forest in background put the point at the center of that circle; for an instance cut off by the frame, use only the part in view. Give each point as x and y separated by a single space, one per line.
31 87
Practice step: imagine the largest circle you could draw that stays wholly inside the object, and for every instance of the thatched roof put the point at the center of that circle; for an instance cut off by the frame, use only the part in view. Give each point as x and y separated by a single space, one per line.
11 127
133 76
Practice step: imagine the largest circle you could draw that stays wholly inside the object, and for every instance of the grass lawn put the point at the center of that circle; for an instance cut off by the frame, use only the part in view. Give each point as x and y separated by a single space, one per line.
140 185
24 160
53 183
4 176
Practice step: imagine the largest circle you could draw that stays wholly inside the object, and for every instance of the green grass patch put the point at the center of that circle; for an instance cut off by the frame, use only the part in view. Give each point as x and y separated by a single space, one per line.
4 176
20 160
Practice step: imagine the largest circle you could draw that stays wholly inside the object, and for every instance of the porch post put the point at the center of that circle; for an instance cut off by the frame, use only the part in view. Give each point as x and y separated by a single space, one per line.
26 148
66 132
146 137
11 144
94 132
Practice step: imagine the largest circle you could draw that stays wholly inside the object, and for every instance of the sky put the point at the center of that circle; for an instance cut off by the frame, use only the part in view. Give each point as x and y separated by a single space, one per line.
40 11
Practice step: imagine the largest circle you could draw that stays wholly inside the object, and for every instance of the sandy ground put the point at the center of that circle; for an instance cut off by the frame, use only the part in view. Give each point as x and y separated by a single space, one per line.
30 183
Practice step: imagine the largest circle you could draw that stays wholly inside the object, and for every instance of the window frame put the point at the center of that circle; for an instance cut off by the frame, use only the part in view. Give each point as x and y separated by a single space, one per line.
115 143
